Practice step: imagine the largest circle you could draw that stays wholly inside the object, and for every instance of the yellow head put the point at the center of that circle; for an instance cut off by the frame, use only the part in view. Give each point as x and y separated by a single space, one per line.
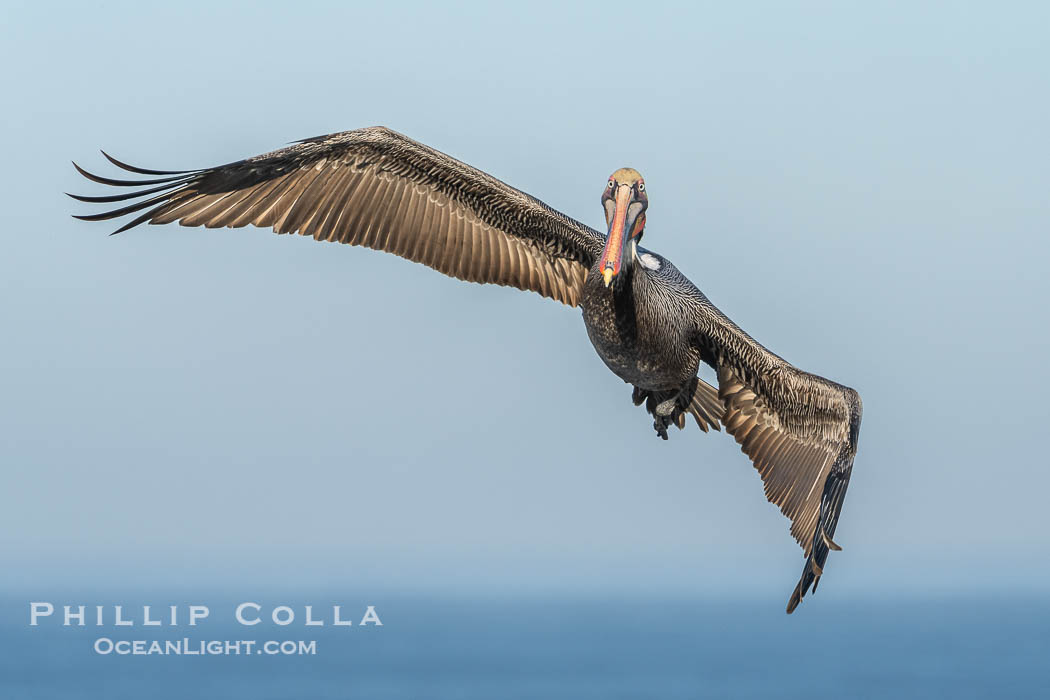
625 202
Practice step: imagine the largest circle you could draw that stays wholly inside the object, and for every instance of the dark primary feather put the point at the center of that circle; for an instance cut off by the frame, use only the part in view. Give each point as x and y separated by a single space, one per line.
142 171
116 197
376 188
127 183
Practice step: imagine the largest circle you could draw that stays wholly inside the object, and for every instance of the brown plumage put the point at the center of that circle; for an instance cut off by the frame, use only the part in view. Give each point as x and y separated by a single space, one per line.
649 324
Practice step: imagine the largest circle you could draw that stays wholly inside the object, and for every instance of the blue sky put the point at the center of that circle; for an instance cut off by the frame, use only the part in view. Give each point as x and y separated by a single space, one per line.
863 189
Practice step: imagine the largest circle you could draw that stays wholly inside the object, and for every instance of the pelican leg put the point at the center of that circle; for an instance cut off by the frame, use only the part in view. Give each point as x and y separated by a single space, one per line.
666 407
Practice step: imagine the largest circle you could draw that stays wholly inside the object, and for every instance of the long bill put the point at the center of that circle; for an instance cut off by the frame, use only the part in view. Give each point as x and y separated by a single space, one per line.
612 256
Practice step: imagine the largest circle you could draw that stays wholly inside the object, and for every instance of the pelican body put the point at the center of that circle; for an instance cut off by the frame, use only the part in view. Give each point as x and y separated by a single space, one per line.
628 325
650 325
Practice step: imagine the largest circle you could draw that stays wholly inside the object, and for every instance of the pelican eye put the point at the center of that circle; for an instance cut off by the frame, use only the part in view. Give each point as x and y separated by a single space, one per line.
612 184
641 186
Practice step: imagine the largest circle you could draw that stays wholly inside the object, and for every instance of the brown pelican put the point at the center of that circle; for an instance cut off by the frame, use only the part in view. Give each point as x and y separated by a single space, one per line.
650 325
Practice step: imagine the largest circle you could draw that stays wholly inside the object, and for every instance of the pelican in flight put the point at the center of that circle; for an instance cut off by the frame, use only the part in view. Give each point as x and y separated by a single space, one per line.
650 325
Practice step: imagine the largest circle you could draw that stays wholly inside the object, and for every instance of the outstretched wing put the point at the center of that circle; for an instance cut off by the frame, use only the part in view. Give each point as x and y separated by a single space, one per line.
376 188
799 430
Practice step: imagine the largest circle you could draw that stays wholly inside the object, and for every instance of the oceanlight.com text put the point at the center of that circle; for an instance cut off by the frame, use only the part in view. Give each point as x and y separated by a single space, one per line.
204 647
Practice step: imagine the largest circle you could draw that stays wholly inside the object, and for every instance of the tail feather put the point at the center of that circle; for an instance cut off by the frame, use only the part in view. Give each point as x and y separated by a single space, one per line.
706 408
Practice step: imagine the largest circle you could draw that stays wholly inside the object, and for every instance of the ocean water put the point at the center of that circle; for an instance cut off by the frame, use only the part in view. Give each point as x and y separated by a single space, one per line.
555 647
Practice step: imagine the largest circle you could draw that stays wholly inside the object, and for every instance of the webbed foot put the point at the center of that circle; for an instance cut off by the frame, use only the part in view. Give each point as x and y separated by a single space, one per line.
667 407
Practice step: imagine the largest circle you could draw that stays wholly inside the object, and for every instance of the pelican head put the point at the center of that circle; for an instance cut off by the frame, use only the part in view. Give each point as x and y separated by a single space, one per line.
625 202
